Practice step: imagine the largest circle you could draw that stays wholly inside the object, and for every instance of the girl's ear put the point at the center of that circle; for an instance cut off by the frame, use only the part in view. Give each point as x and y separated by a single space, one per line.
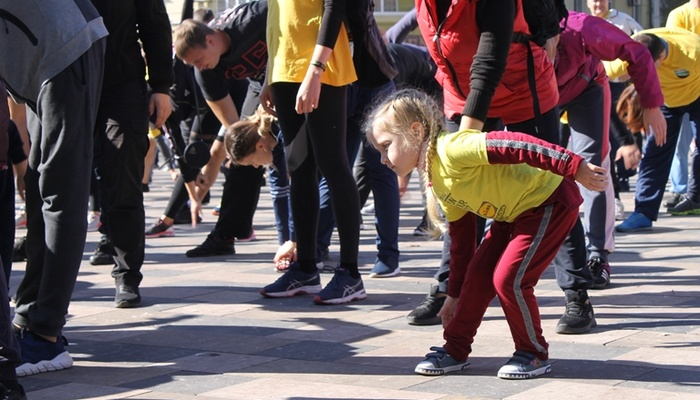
418 129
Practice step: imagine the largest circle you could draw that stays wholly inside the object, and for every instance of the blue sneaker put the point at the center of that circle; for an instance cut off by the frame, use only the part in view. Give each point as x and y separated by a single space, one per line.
39 355
292 283
438 363
384 270
635 222
524 365
343 288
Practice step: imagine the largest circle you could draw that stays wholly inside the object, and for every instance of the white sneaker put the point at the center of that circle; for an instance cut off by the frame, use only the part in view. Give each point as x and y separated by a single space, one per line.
368 209
619 210
21 219
93 221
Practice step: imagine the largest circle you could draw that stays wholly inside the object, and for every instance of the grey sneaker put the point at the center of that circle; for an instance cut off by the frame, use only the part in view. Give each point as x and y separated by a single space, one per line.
524 365
686 206
579 316
342 288
292 283
439 362
673 201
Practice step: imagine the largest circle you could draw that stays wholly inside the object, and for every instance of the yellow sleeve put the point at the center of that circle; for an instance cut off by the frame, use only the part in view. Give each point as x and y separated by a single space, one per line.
615 69
675 20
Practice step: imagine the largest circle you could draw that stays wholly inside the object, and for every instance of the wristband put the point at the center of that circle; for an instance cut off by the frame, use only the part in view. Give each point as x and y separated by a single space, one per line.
319 64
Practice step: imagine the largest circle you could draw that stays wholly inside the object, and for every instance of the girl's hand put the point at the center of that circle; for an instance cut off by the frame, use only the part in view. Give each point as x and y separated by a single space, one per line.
285 255
447 312
309 91
592 177
195 210
266 100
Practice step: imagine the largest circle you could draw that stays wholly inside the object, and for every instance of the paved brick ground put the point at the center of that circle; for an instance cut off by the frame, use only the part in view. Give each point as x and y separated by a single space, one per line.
204 332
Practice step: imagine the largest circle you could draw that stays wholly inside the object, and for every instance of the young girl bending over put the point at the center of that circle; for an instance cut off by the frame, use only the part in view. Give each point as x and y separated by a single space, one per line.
257 141
524 184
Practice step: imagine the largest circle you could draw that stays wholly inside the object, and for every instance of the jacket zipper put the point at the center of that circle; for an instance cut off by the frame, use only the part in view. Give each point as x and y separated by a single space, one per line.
9 17
436 39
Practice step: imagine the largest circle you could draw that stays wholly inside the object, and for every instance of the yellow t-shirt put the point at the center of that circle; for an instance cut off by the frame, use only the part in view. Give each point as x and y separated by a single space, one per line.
679 73
464 181
292 32
686 17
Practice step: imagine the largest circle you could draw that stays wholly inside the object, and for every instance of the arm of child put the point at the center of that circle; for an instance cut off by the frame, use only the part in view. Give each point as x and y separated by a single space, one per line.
591 176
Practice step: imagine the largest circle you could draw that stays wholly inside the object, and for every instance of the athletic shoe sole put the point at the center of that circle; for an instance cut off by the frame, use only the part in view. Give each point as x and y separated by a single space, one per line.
625 230
565 329
387 275
695 211
525 375
61 361
361 295
166 233
291 293
434 371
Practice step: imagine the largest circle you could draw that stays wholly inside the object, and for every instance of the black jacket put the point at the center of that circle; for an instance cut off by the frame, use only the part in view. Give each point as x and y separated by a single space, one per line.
130 22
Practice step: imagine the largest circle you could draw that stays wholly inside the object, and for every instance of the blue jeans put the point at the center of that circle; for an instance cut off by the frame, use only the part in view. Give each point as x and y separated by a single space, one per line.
679 167
279 191
656 164
385 186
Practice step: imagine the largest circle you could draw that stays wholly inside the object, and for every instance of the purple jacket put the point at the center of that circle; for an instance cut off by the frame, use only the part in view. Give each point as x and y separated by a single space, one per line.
586 41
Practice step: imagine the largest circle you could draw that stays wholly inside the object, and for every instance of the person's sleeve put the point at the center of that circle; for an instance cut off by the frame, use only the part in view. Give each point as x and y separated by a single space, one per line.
462 248
518 148
212 83
495 19
635 26
398 32
606 42
4 125
675 20
155 34
333 15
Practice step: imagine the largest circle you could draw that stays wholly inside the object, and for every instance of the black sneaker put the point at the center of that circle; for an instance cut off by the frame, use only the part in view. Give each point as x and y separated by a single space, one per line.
19 251
104 253
213 246
426 312
39 355
12 394
422 229
673 200
600 270
127 296
578 317
686 206
159 229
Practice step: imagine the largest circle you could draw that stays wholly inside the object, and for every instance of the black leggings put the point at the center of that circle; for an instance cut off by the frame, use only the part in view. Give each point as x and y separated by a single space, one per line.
324 151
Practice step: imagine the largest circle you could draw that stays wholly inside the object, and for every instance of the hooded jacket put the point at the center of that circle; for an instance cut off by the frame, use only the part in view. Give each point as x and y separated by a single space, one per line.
41 38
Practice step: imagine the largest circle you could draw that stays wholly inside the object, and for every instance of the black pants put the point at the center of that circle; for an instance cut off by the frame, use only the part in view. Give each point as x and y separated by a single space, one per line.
318 142
121 143
242 185
57 186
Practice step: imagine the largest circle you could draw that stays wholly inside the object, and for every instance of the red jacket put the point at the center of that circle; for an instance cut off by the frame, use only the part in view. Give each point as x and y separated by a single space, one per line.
455 43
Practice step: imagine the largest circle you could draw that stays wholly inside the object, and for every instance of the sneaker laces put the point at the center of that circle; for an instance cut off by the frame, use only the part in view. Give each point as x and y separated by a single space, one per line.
574 308
437 353
521 357
429 302
596 265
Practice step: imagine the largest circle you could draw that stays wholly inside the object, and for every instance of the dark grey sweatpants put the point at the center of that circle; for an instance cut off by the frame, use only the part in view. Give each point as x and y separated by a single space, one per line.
57 187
